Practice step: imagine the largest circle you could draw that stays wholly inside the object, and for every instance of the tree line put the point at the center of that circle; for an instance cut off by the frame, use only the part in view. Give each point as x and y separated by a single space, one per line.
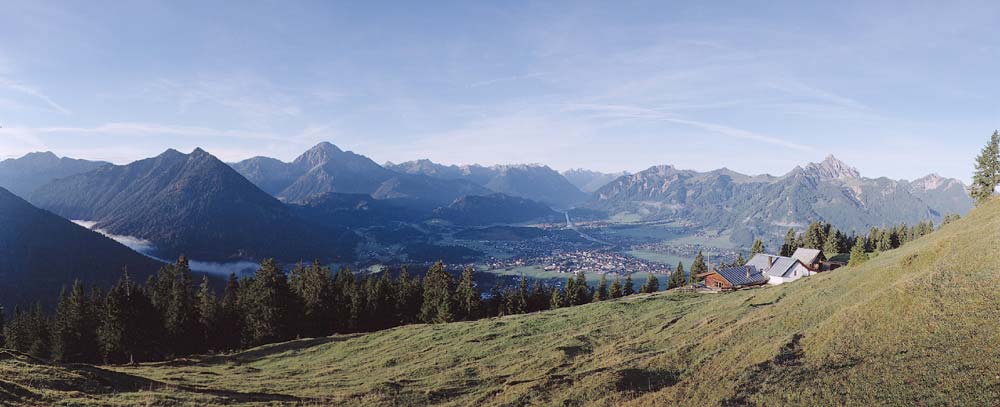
170 315
826 237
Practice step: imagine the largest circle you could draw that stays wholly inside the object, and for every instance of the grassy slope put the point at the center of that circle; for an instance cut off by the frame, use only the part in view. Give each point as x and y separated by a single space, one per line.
915 326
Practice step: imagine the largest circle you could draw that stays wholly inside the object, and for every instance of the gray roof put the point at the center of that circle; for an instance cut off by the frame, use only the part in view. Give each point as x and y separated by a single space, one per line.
806 256
777 267
742 275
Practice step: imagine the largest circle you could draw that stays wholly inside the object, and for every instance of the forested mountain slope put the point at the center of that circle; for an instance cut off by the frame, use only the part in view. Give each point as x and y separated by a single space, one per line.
913 326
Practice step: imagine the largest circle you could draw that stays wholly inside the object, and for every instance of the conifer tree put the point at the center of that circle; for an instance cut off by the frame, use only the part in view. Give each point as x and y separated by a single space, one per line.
230 317
313 289
616 288
343 290
987 175
408 298
652 284
39 333
438 305
381 302
790 244
815 236
698 267
179 318
832 244
572 294
677 278
74 330
538 299
208 317
583 293
601 293
858 255
268 300
557 299
757 248
467 295
629 286
16 335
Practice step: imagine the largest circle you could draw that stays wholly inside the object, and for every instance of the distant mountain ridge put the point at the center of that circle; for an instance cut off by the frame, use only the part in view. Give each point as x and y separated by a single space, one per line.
326 168
192 204
495 209
589 181
532 181
23 175
41 252
764 205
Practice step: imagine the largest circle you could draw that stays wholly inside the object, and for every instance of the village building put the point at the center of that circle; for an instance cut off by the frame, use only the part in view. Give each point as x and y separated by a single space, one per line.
779 269
816 260
733 278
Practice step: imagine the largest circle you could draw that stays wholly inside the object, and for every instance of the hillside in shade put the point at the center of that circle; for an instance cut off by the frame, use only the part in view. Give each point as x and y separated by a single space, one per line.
913 326
532 181
750 206
326 168
41 252
589 181
23 175
495 208
192 204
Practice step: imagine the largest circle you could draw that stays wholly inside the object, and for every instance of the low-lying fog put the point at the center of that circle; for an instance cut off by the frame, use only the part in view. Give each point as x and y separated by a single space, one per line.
146 247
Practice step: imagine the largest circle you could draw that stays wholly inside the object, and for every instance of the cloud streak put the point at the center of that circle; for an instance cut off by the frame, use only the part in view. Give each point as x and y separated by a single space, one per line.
31 91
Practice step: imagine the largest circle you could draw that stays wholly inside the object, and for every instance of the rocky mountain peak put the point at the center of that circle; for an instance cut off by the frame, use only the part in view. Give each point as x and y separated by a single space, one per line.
832 168
319 154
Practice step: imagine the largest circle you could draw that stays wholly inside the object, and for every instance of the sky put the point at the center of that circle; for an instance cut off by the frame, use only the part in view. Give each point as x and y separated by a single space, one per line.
895 89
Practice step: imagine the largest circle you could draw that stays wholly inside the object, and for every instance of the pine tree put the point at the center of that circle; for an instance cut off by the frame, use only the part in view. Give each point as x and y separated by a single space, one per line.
16 335
438 305
652 285
343 290
408 297
179 318
757 248
858 255
268 301
381 308
230 316
616 288
815 236
790 244
572 294
74 330
677 278
538 299
601 293
698 267
629 286
987 175
467 295
884 242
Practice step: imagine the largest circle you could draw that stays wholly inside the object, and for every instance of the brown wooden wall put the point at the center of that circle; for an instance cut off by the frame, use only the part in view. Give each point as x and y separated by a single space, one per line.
716 281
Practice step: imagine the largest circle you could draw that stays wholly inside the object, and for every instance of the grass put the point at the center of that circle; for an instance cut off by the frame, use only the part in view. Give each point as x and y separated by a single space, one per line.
914 326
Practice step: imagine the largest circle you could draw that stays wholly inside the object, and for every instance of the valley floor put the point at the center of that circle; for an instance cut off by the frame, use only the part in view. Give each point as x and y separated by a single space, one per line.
915 326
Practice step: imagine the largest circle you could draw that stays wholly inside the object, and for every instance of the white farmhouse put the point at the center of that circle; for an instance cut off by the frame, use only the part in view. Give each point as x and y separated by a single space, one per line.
779 269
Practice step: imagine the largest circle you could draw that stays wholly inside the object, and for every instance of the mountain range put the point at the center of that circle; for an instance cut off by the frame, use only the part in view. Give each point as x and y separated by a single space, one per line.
589 181
765 205
533 181
25 174
326 168
192 204
496 208
41 252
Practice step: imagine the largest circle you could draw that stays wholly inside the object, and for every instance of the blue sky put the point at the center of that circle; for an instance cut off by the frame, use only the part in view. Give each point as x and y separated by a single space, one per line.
898 90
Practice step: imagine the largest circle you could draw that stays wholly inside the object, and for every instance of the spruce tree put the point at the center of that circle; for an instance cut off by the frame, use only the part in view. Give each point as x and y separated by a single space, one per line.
557 299
409 296
39 333
16 335
601 293
74 330
467 295
230 316
652 285
757 248
343 290
858 255
538 299
698 267
616 288
179 318
987 175
677 278
268 301
629 286
314 296
815 236
208 317
438 305
572 294
583 293
790 244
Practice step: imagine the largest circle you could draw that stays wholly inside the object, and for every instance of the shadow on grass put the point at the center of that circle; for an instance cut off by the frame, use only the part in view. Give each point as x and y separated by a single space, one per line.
644 380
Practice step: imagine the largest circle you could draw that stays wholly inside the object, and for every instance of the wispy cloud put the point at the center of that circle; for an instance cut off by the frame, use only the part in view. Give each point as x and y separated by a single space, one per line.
511 78
151 129
15 86
640 113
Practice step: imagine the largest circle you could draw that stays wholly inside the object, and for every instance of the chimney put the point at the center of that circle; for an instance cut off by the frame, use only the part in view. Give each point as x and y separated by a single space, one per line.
770 261
748 272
